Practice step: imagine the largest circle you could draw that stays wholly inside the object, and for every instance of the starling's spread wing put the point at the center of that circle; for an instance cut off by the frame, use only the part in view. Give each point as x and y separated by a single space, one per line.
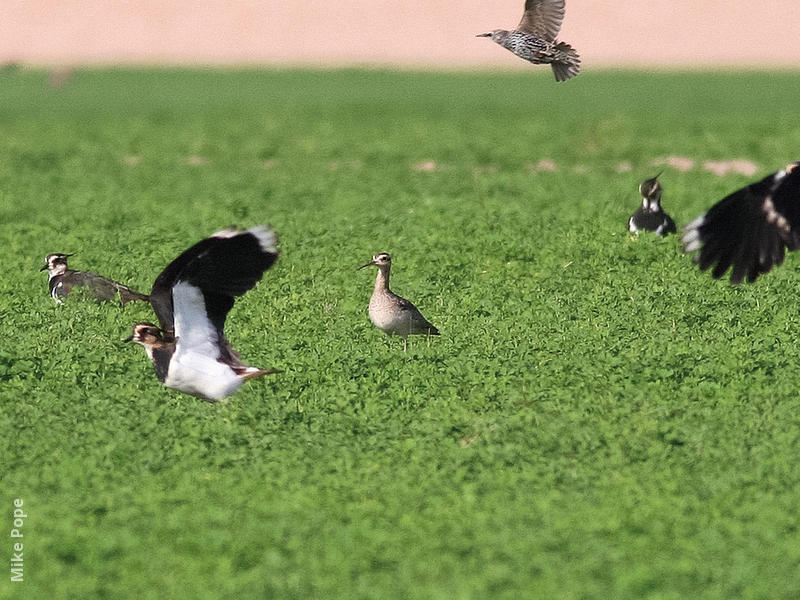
747 229
223 266
542 18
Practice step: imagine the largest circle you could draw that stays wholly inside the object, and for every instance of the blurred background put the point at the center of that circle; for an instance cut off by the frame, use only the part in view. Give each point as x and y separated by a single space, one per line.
416 33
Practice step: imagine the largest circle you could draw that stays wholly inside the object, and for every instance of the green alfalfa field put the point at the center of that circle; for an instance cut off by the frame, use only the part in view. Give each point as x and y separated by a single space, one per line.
598 419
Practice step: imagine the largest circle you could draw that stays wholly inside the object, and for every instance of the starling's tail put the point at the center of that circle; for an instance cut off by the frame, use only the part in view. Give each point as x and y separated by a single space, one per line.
566 62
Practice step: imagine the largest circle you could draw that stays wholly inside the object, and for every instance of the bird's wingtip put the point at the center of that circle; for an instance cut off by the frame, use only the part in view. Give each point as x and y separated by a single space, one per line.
267 238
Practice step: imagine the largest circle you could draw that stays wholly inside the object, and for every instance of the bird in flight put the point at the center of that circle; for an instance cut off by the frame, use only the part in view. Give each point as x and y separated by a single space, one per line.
750 229
534 39
191 298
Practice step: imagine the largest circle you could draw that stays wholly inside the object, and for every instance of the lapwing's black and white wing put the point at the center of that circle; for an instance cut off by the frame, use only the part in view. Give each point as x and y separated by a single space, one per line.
750 229
214 271
542 18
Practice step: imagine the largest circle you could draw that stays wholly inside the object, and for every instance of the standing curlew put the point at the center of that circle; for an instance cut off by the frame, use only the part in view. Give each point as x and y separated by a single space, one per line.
389 312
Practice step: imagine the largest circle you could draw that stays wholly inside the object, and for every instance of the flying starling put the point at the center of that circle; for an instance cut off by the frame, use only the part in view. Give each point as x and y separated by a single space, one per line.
749 229
63 279
650 216
534 39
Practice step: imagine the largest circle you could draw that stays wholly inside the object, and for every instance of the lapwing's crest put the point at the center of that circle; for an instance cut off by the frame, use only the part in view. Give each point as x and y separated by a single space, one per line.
650 216
191 298
750 229
534 39
389 312
62 280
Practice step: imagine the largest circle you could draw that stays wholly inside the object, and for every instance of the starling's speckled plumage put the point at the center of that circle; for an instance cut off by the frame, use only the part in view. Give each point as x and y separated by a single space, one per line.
534 39
64 279
749 229
650 216
389 312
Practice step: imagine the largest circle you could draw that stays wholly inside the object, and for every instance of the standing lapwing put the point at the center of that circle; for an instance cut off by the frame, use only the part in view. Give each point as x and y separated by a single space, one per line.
749 229
650 216
389 312
63 279
534 39
191 299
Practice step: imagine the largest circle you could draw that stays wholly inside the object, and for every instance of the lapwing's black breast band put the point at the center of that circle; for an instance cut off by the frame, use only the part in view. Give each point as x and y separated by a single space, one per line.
54 281
161 358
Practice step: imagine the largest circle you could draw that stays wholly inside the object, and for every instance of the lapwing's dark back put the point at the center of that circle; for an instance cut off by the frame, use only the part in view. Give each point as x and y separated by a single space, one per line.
102 288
